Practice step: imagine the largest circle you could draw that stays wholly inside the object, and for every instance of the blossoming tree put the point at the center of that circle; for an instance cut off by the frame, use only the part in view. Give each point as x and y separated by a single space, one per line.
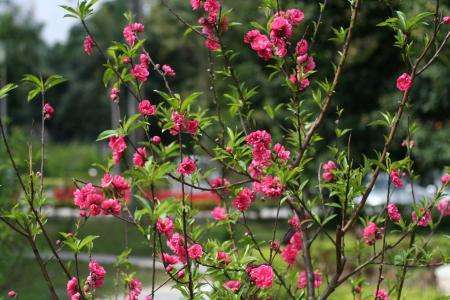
252 165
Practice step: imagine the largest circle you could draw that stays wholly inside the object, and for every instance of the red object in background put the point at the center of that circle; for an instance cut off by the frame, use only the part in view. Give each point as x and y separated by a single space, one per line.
63 194
196 197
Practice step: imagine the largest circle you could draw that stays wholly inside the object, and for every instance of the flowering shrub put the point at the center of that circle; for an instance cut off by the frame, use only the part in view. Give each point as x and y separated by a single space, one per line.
254 166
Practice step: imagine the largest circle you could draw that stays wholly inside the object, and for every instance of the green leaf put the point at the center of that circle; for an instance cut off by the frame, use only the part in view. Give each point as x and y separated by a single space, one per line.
32 94
53 81
106 134
34 80
6 89
87 241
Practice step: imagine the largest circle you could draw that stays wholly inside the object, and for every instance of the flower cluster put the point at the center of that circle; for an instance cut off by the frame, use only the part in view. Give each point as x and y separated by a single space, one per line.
302 281
183 124
114 94
232 285
289 253
209 22
444 207
140 156
165 226
117 145
146 108
187 166
244 199
134 289
404 82
219 213
72 289
425 218
130 32
262 276
396 180
305 65
281 30
168 71
88 45
96 275
371 233
48 111
393 213
328 171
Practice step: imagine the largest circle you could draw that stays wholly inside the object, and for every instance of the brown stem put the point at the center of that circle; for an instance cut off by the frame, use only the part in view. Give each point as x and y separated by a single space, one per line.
42 266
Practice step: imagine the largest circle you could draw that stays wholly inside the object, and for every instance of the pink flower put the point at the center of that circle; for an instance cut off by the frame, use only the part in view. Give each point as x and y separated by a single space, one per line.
294 221
445 179
117 145
170 259
144 59
302 47
281 152
295 16
271 186
96 274
396 179
146 108
89 199
137 27
404 82
262 276
114 94
223 257
259 137
424 220
302 281
371 233
120 184
446 20
88 45
259 43
111 207
12 294
296 240
310 64
139 157
444 207
328 171
134 289
156 140
129 32
280 28
212 44
220 183
165 226
393 213
195 251
195 4
212 7
244 199
168 71
72 287
219 213
289 254
192 127
140 72
48 111
180 123
382 295
129 35
187 166
232 285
